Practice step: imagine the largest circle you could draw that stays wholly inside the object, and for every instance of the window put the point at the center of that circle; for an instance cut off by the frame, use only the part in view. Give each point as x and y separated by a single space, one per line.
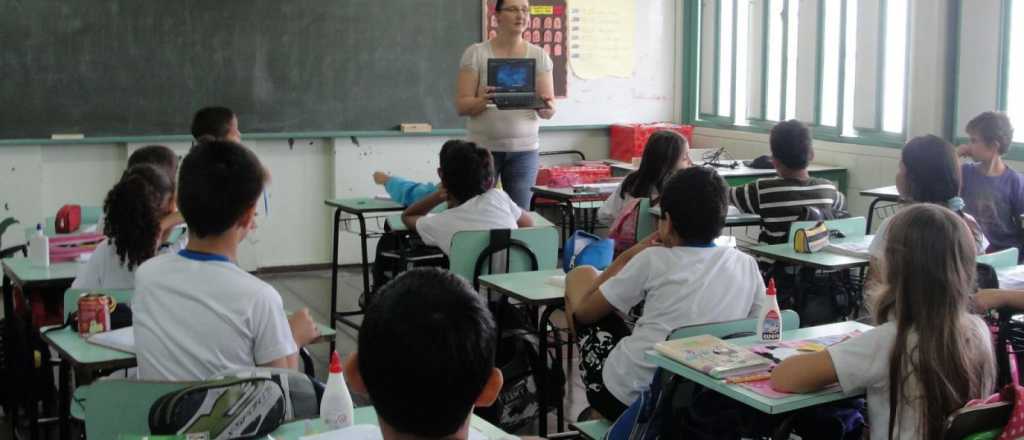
840 65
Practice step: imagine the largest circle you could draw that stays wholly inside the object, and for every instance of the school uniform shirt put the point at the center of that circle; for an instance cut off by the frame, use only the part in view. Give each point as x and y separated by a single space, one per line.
196 315
679 286
862 365
997 202
612 207
104 269
877 247
781 201
490 210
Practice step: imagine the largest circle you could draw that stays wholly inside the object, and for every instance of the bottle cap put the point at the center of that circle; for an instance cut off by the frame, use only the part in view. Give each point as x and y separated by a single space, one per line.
771 287
39 226
335 363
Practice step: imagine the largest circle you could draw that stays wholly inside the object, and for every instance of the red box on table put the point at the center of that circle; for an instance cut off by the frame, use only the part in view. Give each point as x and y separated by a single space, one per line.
628 140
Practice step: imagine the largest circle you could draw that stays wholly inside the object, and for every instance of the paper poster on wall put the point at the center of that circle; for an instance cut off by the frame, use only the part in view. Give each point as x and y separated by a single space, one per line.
602 38
547 28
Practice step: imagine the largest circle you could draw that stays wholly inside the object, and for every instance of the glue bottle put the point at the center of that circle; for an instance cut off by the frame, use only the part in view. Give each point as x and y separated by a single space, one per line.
336 405
769 324
39 248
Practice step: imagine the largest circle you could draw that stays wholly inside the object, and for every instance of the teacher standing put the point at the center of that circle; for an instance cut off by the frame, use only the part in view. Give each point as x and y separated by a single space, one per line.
510 135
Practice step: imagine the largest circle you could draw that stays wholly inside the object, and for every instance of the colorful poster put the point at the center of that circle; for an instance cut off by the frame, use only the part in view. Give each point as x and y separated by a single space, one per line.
548 29
602 38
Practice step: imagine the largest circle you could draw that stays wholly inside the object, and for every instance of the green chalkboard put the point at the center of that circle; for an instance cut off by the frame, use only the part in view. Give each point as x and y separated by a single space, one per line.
142 67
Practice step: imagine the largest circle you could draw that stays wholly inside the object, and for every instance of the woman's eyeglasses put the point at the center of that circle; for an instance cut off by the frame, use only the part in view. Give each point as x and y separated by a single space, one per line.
514 10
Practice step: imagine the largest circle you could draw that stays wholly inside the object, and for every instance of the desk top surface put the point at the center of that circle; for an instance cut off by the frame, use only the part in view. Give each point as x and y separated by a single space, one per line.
822 259
529 287
364 204
22 271
888 193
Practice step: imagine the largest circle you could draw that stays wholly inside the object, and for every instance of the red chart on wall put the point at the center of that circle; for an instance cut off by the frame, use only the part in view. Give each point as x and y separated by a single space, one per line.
548 29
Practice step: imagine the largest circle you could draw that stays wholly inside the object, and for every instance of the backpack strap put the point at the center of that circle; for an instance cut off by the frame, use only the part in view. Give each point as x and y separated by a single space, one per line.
501 240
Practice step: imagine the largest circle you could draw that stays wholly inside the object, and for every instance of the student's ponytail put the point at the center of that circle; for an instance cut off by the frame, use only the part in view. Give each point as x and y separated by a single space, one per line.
133 209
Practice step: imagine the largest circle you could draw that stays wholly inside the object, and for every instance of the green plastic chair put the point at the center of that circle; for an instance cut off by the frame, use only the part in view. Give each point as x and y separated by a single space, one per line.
790 321
852 227
645 221
119 406
468 245
1000 260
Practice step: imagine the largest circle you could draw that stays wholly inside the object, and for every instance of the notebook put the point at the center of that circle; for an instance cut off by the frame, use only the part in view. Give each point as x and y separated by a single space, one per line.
856 248
122 339
713 356
515 83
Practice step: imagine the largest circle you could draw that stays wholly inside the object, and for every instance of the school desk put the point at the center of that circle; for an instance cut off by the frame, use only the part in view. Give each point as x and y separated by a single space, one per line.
395 221
883 194
20 271
358 207
566 197
742 174
532 288
819 260
731 221
762 403
366 415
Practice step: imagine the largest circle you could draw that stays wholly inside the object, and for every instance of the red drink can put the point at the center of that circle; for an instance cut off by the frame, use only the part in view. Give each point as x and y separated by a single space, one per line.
94 313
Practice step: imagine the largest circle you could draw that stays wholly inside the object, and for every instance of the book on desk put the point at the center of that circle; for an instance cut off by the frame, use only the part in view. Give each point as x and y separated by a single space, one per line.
713 356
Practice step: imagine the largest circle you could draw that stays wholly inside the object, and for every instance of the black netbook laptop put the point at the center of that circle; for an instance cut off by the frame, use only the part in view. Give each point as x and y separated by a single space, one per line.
514 83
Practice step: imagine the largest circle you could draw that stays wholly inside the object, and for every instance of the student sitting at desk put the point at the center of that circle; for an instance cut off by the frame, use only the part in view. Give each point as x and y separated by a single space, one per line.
426 356
994 193
782 200
215 123
133 210
929 173
467 186
196 313
929 355
679 274
664 153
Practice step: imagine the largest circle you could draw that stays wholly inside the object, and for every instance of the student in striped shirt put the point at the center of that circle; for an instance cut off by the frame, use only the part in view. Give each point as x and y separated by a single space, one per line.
781 200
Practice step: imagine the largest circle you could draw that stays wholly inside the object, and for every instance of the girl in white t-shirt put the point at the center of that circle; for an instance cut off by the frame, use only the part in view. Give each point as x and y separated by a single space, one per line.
664 153
928 355
135 213
681 277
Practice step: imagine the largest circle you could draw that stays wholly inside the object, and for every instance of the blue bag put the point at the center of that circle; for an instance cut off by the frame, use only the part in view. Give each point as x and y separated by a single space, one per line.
583 248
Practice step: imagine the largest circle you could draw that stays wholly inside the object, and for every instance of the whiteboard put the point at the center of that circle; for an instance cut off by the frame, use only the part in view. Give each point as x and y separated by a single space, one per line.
649 96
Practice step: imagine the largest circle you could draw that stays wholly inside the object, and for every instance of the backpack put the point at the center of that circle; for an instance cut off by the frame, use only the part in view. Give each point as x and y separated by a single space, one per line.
623 229
584 248
223 409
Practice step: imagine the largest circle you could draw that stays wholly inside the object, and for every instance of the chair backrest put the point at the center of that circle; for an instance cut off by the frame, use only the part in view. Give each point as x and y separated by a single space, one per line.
560 157
1000 260
852 227
468 245
971 420
120 406
1009 342
71 298
645 221
790 321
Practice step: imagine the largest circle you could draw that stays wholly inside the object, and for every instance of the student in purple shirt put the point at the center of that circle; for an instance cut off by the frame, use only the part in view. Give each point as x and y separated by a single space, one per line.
994 193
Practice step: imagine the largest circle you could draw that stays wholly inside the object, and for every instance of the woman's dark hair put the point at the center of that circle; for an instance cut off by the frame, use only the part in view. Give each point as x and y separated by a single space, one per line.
211 123
933 173
660 159
466 169
133 209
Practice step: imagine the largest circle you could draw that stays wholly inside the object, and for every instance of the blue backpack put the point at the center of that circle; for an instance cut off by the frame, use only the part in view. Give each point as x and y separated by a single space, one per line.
583 248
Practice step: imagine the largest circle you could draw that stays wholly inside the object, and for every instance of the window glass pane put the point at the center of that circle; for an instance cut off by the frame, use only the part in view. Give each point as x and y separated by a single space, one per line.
830 63
792 25
1015 70
894 77
774 63
850 68
742 60
725 35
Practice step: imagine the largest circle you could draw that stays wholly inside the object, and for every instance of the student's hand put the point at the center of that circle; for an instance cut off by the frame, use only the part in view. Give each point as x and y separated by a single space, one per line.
648 241
304 330
963 151
380 177
441 192
988 299
484 96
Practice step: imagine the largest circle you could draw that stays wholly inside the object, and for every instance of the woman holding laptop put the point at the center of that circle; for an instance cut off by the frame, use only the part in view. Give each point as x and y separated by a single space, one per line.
510 135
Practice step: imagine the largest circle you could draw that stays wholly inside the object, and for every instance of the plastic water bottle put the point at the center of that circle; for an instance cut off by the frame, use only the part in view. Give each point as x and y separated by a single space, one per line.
769 326
39 248
336 406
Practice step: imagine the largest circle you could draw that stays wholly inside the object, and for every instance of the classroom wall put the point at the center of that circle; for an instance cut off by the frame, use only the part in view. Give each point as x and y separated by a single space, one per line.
36 180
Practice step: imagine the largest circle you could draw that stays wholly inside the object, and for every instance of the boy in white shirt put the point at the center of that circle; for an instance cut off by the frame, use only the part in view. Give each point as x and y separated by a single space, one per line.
679 274
196 313
467 186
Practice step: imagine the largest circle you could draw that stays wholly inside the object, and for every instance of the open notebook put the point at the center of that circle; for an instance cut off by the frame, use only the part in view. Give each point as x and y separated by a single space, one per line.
122 339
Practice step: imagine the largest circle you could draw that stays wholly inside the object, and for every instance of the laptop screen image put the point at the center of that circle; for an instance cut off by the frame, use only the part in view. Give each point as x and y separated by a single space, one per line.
511 75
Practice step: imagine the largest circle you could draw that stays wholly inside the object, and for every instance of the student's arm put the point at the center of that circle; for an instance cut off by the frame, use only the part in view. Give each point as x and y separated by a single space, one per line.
583 297
407 192
524 220
744 198
290 362
468 102
804 373
988 299
423 207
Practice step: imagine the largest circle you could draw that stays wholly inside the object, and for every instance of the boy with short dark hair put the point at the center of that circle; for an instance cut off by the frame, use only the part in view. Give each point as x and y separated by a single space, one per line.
993 192
426 356
782 200
196 313
678 273
215 123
